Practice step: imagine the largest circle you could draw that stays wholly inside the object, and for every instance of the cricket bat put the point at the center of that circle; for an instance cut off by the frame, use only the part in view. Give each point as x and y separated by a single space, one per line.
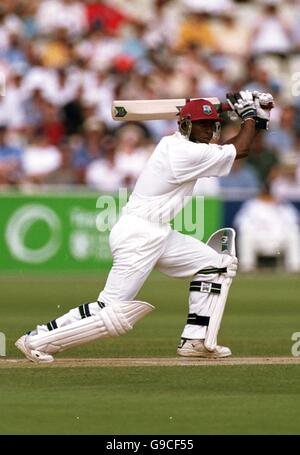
167 109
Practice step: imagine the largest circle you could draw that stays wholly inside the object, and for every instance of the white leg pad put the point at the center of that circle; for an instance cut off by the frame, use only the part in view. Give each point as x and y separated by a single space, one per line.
216 311
209 290
112 320
223 241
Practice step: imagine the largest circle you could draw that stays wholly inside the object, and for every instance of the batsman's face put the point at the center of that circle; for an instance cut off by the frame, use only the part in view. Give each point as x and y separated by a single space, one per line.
202 131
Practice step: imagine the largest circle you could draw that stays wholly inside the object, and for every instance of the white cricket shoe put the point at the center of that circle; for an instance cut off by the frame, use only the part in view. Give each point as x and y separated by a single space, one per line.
196 348
31 354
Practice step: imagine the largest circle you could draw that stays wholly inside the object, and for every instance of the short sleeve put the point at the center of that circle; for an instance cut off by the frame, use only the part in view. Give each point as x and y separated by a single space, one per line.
190 161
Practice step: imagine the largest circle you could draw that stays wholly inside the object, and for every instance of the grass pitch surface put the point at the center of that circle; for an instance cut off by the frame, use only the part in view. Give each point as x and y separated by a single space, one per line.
261 316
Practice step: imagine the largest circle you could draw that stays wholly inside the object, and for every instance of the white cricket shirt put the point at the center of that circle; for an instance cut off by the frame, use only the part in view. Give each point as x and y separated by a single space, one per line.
168 179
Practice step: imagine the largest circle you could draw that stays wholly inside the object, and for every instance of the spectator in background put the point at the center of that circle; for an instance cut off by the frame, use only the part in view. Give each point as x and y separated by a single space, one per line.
53 124
37 77
11 22
134 46
102 174
267 227
99 47
193 63
285 183
40 159
196 29
34 107
4 32
131 153
100 13
26 11
226 31
262 158
57 51
14 54
260 78
12 104
216 81
67 14
163 24
10 160
90 148
64 174
97 90
136 86
271 35
64 87
243 177
73 115
282 138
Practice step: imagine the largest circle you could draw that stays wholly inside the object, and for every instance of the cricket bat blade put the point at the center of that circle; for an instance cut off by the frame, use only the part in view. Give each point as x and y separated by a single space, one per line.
162 109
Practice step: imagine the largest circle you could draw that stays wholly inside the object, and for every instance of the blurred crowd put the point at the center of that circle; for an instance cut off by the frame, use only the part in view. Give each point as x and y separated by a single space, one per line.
63 62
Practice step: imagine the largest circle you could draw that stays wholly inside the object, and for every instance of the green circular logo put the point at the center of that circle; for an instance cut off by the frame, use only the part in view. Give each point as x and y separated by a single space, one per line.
26 219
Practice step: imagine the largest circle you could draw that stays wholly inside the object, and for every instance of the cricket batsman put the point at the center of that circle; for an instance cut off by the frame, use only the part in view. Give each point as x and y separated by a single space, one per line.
143 239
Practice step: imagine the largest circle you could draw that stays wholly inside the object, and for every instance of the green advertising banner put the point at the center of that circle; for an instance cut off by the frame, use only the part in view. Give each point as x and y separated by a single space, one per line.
69 231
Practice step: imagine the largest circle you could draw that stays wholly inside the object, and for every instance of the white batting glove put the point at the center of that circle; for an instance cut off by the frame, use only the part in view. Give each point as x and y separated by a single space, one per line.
232 268
243 104
264 102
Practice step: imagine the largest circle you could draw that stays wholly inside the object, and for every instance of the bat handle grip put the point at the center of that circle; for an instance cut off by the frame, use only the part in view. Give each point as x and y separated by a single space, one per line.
224 107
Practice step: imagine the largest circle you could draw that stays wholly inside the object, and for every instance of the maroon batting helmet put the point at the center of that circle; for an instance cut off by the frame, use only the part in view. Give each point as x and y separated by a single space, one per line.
199 110
196 110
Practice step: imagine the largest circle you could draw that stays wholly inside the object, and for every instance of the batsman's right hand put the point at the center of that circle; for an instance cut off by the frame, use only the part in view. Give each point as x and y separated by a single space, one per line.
264 102
242 103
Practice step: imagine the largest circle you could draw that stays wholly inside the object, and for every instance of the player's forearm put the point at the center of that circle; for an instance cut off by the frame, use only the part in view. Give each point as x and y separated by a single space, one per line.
244 138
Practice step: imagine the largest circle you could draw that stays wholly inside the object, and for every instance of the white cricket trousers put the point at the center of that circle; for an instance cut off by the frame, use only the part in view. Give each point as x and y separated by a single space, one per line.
138 246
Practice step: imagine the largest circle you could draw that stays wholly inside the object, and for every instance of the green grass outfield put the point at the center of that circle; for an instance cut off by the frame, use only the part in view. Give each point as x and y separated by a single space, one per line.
262 314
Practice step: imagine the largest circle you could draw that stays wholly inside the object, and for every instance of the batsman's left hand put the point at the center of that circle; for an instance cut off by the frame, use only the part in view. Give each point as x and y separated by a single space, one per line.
242 103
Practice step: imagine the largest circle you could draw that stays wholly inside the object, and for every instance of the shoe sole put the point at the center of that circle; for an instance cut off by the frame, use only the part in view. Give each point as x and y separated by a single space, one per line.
204 355
20 344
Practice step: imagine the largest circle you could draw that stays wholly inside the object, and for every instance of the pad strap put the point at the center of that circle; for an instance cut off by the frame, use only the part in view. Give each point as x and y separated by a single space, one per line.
205 286
209 270
52 325
84 310
195 319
